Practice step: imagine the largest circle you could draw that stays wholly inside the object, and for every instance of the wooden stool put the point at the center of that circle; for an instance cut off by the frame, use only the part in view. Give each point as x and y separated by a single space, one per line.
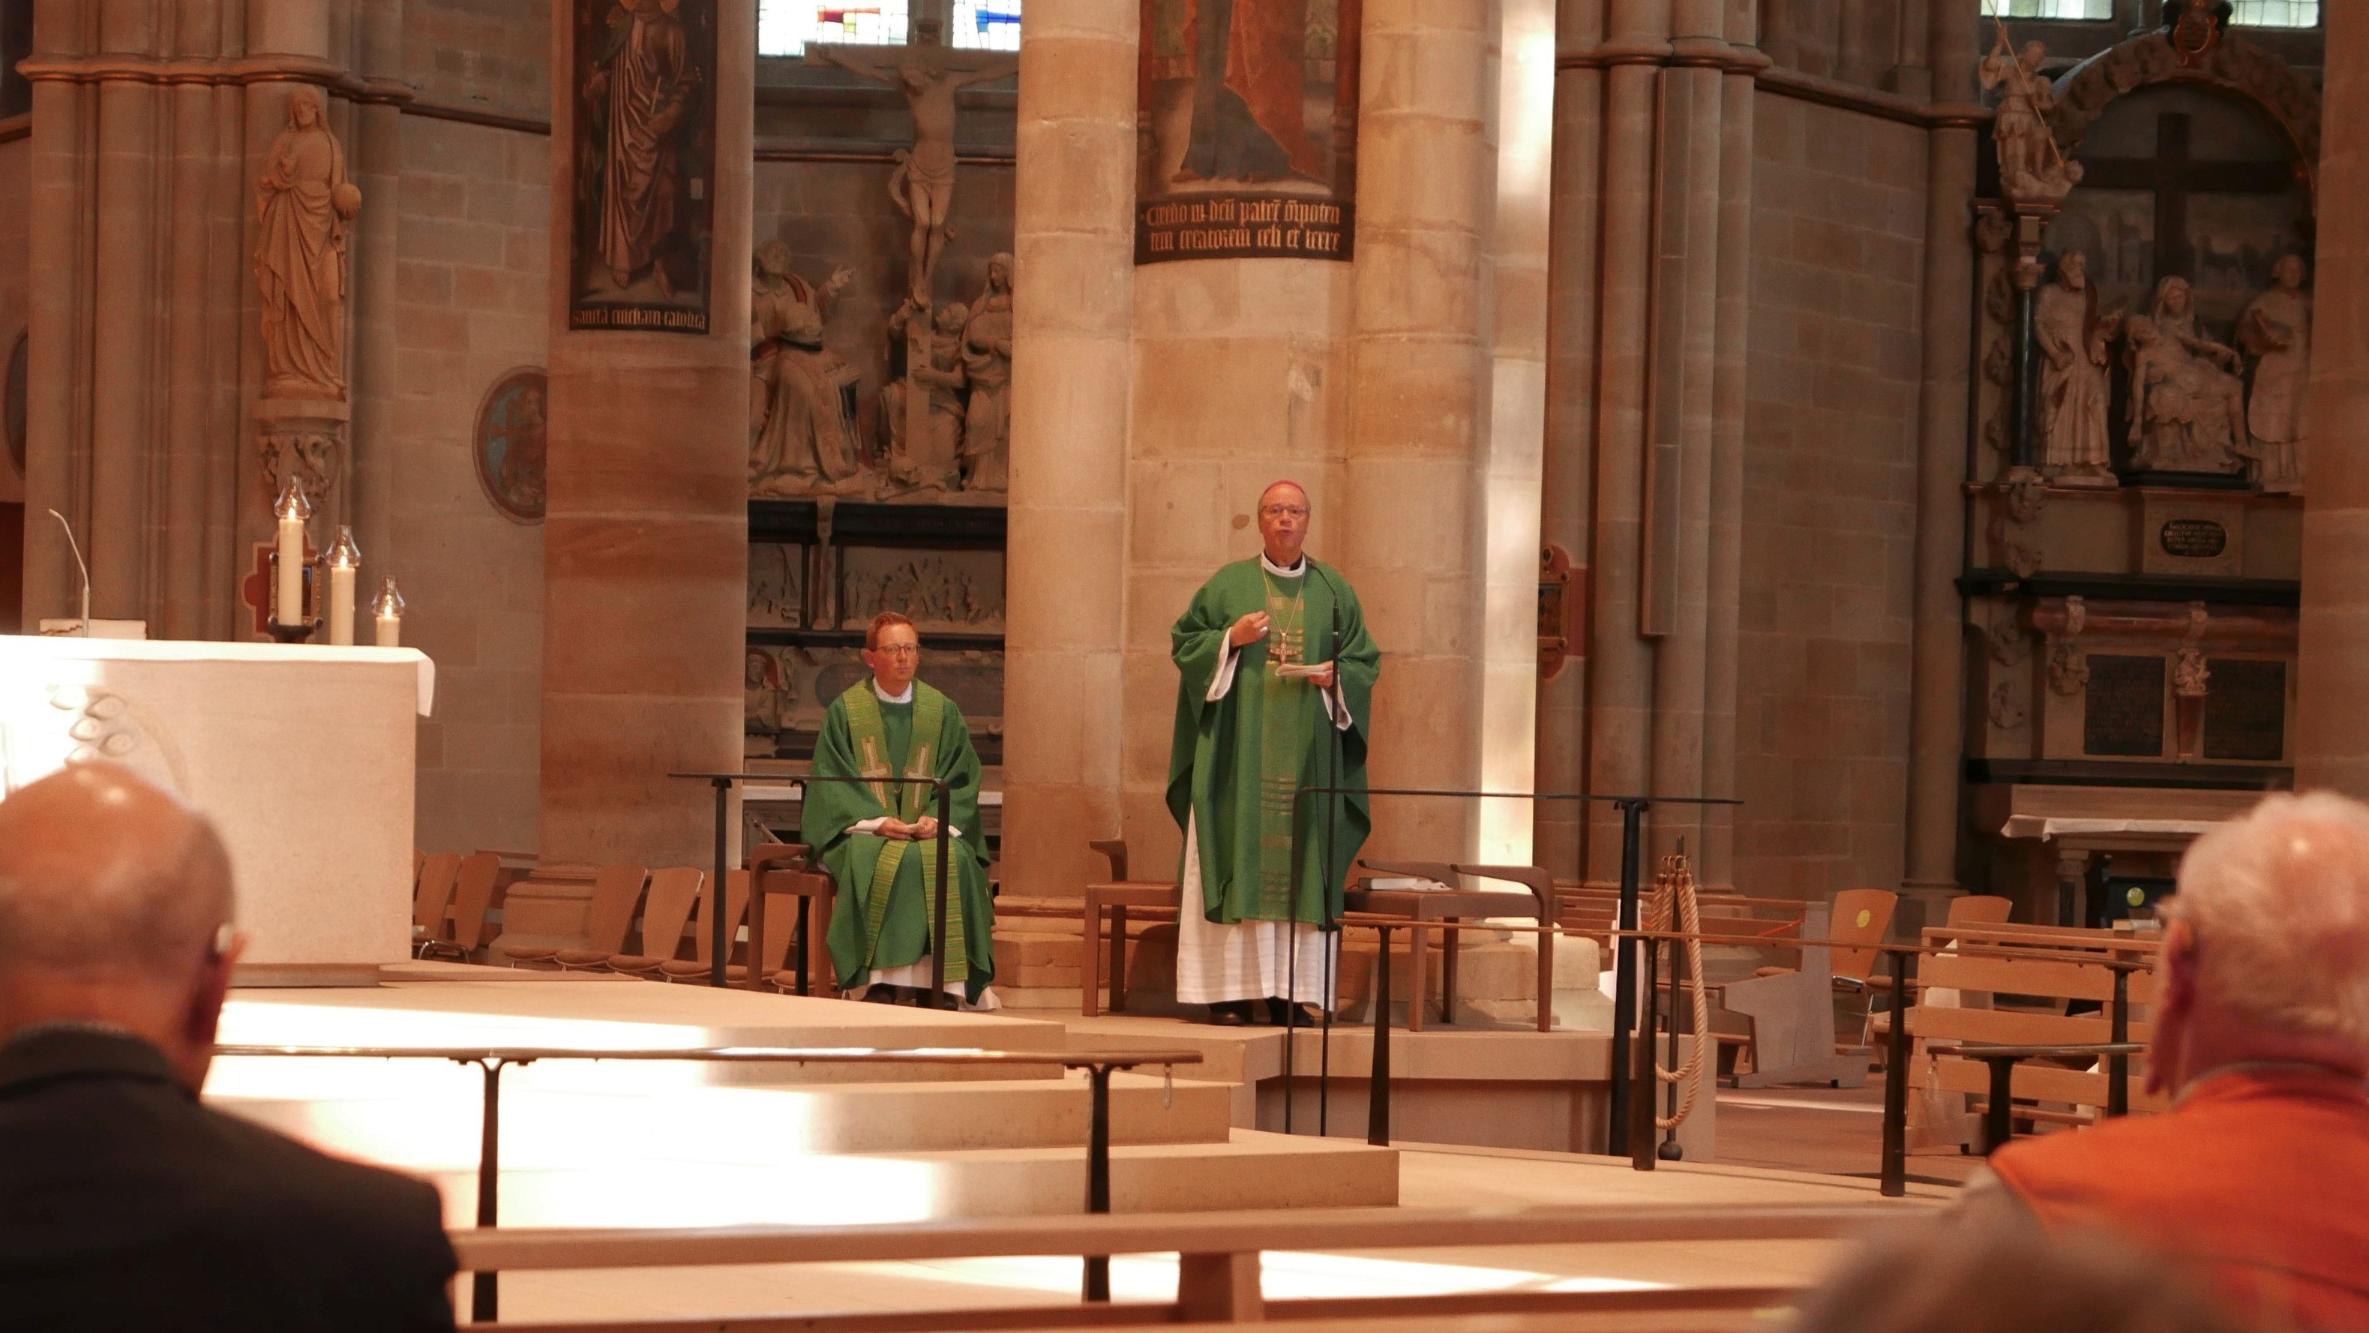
1117 895
782 868
1419 907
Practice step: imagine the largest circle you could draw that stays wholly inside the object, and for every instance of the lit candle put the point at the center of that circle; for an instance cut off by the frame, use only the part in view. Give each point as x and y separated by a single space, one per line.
287 607
387 611
344 559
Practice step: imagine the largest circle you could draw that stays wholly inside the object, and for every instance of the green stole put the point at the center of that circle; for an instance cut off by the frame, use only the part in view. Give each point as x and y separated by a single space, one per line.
908 802
1285 735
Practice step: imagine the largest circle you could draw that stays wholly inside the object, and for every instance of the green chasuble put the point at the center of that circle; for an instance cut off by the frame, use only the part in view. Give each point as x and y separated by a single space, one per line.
887 886
1238 764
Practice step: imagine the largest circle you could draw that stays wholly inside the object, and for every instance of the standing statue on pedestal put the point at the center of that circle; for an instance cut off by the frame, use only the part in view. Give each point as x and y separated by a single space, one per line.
303 202
2276 328
931 459
802 408
2032 169
929 74
987 364
2072 337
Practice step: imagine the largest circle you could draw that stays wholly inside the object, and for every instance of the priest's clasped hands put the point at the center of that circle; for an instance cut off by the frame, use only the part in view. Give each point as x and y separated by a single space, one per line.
920 830
1252 627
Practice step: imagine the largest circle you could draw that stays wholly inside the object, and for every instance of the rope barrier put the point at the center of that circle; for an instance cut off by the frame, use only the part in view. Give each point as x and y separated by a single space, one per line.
1674 894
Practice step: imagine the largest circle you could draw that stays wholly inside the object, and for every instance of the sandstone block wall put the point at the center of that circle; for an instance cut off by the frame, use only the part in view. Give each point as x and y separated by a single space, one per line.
1829 499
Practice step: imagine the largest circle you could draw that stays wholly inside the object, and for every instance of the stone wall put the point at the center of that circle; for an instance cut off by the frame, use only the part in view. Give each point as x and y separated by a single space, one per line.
470 284
489 55
1829 498
16 159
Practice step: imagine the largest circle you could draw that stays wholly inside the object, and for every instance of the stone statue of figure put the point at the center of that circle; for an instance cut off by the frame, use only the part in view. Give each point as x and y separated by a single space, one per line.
303 202
2276 329
802 395
646 85
933 462
2072 341
2032 169
987 364
2187 409
929 74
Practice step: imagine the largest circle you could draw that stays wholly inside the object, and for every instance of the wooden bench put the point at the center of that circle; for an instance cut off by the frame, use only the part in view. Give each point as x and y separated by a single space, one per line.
1218 1277
2023 1000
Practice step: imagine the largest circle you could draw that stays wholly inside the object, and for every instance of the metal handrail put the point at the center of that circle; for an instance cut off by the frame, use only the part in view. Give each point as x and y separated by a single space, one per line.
485 1298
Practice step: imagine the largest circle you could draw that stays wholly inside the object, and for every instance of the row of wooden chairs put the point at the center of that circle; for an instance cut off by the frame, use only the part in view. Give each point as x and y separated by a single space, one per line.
665 915
451 896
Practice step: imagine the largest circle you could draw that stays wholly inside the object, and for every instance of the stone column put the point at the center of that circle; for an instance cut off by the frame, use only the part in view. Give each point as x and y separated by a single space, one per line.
2332 728
1620 658
1729 361
137 269
1567 488
1936 671
377 160
1525 90
1411 528
1066 554
646 530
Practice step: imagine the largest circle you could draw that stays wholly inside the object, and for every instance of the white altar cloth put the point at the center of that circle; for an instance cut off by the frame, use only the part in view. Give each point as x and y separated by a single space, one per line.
303 757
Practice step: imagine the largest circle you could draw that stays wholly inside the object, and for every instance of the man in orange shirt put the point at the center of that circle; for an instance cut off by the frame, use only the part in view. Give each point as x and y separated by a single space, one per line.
2255 1178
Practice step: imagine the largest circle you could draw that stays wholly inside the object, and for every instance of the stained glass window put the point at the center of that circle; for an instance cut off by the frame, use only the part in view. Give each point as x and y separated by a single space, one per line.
2278 13
2048 9
785 27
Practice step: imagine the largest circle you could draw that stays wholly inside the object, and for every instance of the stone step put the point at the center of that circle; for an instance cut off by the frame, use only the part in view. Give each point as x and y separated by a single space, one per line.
1253 1170
544 1129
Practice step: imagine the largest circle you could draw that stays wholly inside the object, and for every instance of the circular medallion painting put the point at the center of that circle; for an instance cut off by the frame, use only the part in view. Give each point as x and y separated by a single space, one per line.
12 403
510 444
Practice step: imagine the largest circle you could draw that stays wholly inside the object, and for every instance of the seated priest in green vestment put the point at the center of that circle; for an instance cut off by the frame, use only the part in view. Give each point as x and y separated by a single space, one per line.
878 840
1277 677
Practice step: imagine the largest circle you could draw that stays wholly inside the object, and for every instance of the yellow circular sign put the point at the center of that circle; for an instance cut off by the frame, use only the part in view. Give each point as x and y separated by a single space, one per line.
2136 897
1863 918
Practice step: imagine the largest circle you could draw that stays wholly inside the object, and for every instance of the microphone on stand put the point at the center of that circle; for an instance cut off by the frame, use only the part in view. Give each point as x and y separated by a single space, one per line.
71 545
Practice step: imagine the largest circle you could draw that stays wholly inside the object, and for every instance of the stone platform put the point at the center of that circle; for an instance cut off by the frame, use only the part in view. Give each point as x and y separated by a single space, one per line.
587 1143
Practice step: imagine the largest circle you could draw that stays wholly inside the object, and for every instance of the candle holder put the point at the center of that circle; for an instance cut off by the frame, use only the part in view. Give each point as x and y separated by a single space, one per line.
302 631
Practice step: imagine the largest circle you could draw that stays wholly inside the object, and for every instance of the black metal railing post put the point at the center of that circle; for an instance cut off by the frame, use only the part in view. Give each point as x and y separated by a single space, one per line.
1894 1182
1377 1106
2118 1064
715 937
485 1290
1624 995
1097 1278
938 926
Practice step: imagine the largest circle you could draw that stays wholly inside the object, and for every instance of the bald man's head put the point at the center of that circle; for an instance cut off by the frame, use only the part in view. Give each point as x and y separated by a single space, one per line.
112 898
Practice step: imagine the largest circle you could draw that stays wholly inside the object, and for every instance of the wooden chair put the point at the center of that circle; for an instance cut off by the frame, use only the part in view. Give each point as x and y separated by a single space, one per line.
1117 895
472 897
782 870
1979 909
673 890
1788 1012
736 910
616 891
431 895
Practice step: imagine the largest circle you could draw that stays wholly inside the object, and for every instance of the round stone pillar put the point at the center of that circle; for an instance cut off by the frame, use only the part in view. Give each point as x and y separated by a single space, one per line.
2332 728
1411 529
1066 554
645 534
1936 668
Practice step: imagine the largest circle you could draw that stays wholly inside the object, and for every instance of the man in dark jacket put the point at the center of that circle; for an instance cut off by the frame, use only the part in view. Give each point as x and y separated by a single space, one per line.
123 1202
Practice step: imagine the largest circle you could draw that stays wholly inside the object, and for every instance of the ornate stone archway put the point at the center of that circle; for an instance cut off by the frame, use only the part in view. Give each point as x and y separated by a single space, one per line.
2231 64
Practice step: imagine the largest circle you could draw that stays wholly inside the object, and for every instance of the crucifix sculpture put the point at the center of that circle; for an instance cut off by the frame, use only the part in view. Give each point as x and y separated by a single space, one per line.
929 73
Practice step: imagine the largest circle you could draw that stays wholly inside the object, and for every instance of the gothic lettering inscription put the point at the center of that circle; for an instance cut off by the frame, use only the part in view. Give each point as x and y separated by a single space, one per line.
2193 538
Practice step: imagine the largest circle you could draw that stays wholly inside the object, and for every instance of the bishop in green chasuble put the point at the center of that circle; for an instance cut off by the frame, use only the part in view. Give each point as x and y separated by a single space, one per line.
879 841
1275 665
